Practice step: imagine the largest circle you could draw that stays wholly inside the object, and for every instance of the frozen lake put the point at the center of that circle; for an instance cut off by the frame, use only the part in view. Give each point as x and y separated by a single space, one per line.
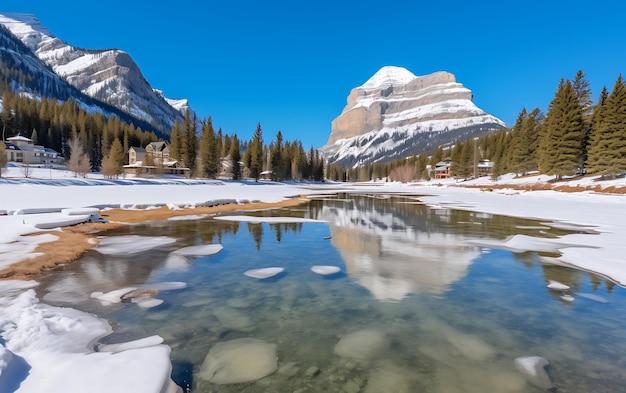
426 299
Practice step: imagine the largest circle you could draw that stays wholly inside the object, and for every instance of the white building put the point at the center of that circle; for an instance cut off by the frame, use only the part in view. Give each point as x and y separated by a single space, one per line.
22 149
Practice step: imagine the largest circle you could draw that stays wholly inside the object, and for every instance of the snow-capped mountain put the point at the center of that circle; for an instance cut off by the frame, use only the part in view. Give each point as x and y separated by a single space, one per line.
27 74
110 75
396 114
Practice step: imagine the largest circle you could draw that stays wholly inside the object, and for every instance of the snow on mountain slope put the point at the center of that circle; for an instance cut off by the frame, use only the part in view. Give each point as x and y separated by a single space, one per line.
110 76
396 114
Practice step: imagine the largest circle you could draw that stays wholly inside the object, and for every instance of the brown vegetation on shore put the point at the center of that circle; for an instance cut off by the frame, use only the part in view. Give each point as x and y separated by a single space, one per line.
74 241
553 187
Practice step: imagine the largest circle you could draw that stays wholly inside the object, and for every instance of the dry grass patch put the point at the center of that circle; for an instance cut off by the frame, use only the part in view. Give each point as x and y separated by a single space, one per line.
67 248
554 187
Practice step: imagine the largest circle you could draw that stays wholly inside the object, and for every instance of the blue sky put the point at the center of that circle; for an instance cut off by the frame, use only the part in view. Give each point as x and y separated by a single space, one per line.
290 65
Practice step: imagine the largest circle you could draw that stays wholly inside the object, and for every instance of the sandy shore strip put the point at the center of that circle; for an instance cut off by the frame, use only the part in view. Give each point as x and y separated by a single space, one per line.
72 242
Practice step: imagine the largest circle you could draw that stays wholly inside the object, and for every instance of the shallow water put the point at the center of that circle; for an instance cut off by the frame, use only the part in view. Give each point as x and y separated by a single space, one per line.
451 315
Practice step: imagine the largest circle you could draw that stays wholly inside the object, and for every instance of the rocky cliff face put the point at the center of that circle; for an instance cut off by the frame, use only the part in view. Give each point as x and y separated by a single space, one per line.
110 76
396 114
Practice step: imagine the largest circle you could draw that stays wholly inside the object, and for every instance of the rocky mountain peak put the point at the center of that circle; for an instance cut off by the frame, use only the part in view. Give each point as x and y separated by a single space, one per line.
391 114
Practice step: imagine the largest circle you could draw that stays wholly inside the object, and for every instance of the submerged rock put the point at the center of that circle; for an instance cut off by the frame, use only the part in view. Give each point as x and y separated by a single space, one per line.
240 360
534 368
232 319
362 345
387 377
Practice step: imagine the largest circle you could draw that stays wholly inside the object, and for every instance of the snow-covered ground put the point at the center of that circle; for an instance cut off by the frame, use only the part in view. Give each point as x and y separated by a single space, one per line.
48 349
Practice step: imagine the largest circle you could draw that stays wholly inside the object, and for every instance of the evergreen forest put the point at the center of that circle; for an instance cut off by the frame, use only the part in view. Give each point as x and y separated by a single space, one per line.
95 142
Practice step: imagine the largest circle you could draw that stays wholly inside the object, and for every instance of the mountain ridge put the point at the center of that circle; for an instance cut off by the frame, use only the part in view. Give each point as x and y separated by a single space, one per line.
107 75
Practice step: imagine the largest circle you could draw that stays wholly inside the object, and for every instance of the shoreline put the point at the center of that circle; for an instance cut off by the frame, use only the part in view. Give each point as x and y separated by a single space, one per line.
73 241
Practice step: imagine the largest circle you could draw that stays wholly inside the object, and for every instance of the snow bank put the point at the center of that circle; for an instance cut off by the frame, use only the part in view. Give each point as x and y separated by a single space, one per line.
56 348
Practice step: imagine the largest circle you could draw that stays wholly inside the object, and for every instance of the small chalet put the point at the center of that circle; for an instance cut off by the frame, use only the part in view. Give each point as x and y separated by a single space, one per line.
485 168
154 159
22 149
442 169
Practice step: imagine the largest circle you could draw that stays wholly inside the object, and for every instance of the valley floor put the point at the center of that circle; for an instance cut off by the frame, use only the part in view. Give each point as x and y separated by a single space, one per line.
29 353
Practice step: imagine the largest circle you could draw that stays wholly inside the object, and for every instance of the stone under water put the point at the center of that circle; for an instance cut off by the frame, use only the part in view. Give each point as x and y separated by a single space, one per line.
362 345
240 360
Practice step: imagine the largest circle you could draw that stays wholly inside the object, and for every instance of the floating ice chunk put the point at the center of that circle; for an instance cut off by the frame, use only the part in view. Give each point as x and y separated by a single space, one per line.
534 367
55 220
240 360
325 270
165 286
281 220
201 250
189 217
594 297
362 345
37 210
557 286
141 343
112 297
265 272
92 212
147 302
132 244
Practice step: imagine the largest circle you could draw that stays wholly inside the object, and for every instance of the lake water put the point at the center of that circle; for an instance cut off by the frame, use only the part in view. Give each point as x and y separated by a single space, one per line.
436 309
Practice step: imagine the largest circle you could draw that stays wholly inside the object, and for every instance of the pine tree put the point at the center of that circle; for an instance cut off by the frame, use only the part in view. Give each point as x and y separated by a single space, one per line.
516 147
189 142
583 95
176 141
112 163
209 150
116 158
276 153
255 149
562 144
609 142
235 157
596 144
522 149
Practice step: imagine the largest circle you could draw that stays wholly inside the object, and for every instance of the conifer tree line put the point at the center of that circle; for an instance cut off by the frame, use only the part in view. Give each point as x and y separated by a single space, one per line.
203 155
57 125
95 142
573 137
